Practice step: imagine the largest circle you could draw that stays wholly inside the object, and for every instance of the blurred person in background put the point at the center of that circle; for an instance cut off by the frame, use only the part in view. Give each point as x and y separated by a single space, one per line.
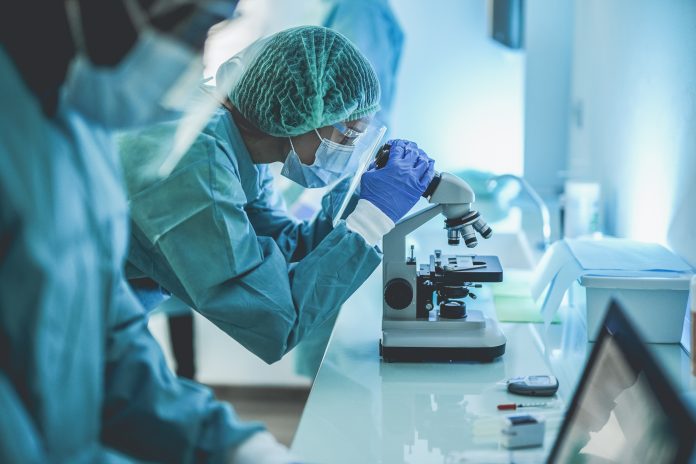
81 378
373 27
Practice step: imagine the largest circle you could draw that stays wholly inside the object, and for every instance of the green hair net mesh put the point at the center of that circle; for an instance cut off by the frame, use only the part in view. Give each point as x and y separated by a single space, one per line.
305 78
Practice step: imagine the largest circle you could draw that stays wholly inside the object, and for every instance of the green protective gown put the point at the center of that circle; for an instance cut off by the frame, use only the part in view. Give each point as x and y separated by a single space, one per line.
216 234
81 378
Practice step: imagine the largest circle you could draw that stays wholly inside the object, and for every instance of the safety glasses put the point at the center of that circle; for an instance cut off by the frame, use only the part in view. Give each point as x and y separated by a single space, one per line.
346 133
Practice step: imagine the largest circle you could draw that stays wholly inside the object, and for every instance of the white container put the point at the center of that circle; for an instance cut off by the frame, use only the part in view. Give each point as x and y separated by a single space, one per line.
655 305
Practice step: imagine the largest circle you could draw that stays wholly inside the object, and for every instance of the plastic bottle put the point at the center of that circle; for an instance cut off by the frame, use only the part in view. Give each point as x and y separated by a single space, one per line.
581 209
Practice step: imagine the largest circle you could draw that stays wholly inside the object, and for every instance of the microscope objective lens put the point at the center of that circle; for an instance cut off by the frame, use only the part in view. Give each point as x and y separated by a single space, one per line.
469 236
483 228
453 236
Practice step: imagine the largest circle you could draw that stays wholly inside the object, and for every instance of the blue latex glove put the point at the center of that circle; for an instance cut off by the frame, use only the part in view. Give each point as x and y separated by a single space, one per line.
396 187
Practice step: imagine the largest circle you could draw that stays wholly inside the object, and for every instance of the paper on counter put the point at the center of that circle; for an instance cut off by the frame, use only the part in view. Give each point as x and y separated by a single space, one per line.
625 255
560 284
567 260
557 256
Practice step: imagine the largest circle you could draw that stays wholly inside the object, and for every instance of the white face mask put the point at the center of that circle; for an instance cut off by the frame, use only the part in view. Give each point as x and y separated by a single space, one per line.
332 161
133 92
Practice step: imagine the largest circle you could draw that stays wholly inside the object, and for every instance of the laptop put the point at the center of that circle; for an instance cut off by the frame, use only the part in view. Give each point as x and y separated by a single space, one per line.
624 410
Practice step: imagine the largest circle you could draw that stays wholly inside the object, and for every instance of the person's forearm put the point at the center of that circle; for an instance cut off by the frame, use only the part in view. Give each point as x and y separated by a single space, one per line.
270 308
150 414
326 278
295 238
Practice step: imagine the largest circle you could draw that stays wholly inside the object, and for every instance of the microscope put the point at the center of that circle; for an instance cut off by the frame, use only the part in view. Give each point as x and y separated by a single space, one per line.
425 316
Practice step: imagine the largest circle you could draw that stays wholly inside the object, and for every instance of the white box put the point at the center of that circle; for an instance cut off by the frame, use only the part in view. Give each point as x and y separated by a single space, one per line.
522 431
655 305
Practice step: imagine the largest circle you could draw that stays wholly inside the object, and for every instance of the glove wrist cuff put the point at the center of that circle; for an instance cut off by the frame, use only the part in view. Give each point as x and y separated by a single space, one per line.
369 221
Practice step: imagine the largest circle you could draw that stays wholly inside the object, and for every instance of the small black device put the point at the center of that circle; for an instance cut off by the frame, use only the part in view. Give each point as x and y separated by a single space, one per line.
533 385
382 156
506 22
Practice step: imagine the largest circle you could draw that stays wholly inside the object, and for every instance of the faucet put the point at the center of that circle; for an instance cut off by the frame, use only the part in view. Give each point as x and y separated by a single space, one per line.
543 209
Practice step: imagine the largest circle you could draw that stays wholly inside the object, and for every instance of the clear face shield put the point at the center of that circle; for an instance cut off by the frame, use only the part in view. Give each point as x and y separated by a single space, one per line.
365 148
347 134
150 98
334 153
199 110
155 64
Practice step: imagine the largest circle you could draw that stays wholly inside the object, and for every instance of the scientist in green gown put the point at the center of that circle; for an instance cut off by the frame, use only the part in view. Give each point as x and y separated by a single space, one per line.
216 234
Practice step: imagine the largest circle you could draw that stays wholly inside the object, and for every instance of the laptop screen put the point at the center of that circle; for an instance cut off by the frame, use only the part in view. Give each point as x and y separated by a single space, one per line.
624 410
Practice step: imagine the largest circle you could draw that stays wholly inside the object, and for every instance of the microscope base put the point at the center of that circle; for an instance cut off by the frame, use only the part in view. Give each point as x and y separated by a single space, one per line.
411 354
476 338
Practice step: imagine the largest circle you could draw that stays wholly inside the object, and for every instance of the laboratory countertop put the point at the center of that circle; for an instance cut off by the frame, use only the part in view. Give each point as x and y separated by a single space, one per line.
362 410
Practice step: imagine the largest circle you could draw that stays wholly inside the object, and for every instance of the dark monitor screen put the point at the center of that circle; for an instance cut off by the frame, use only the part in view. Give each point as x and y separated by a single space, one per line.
507 22
625 410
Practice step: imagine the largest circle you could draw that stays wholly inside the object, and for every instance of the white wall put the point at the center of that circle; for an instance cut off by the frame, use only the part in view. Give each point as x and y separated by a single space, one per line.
634 80
459 95
548 47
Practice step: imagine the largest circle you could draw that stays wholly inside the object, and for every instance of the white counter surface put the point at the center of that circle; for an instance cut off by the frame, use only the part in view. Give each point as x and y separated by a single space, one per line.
362 410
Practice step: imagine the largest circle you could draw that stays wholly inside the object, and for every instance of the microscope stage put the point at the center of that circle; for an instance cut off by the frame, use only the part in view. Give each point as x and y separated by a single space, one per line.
486 269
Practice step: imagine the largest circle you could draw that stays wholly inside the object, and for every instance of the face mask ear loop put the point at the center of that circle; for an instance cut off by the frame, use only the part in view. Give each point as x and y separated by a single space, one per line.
321 139
74 14
138 17
292 147
162 7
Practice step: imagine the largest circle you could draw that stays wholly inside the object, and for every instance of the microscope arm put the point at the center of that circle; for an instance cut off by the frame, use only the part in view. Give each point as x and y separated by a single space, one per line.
395 241
452 197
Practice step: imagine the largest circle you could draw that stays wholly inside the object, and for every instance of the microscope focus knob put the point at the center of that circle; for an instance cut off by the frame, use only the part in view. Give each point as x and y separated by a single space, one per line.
398 293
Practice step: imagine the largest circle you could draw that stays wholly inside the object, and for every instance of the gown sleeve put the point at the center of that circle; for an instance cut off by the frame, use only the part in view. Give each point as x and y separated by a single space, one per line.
148 412
269 217
193 234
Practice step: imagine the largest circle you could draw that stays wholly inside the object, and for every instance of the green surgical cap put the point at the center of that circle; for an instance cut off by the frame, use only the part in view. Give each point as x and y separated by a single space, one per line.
302 79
